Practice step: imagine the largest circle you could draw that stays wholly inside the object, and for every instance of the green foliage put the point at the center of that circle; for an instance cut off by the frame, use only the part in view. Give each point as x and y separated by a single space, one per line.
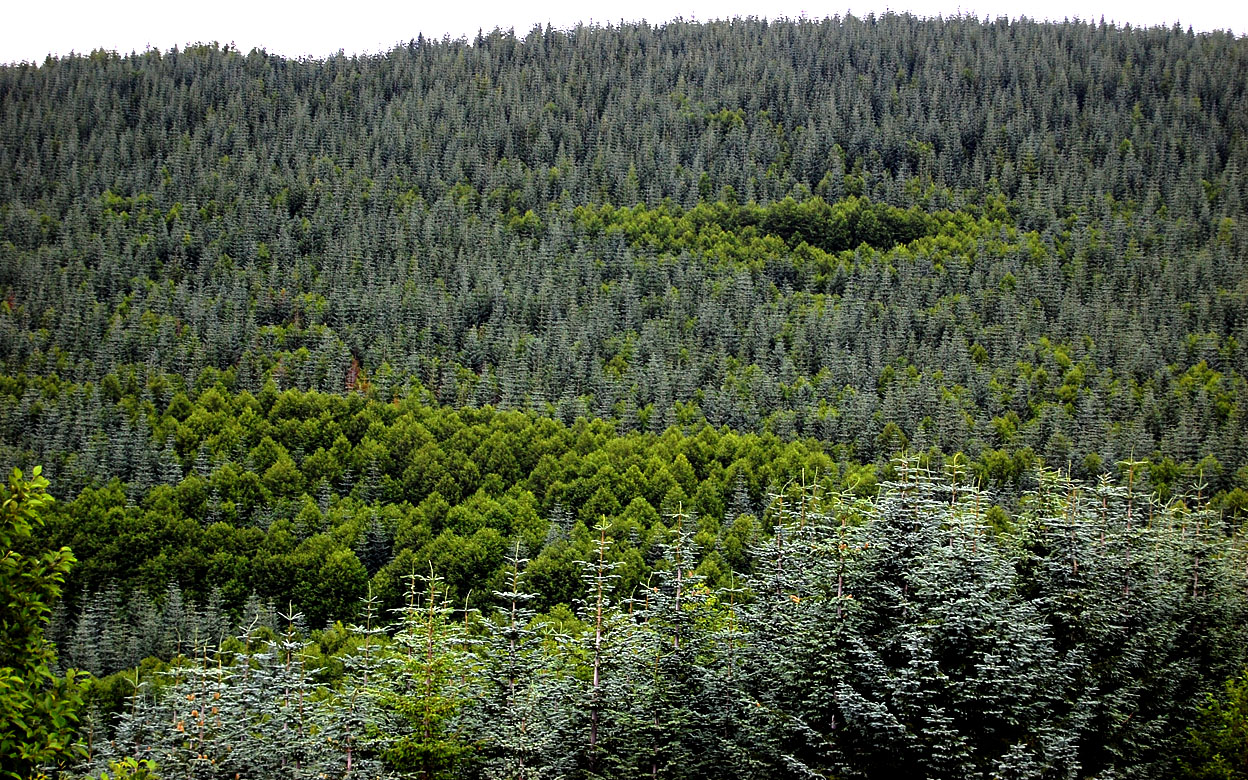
38 709
1218 742
285 332
787 249
912 631
323 550
422 692
731 234
130 769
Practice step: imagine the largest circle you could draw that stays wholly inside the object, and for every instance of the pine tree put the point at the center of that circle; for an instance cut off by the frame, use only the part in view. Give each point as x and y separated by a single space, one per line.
350 730
589 739
518 718
424 687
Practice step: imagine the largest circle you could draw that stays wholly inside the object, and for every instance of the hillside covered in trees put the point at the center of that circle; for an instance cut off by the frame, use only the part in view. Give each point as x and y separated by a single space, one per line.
758 399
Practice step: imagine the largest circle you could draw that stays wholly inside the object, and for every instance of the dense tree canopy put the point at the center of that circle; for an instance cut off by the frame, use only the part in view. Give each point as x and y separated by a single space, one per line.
765 399
1005 235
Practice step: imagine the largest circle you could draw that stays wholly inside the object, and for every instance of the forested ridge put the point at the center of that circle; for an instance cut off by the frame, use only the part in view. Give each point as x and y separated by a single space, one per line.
771 399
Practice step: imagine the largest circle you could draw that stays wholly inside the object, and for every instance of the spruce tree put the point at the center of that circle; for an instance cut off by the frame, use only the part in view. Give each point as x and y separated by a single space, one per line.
424 687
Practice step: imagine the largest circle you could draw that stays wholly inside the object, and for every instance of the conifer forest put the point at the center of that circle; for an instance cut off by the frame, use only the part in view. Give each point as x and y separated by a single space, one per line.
848 398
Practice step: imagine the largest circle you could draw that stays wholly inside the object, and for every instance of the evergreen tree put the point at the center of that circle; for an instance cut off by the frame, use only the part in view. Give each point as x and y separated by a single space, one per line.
423 689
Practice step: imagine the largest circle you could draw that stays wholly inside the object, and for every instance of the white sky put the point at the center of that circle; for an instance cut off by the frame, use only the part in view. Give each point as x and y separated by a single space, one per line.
314 27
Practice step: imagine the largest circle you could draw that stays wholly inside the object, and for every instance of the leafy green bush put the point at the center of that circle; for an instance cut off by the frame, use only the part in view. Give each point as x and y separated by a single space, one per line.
1219 740
38 709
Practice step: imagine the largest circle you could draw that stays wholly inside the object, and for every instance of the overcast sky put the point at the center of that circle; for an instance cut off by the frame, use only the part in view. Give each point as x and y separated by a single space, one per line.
313 27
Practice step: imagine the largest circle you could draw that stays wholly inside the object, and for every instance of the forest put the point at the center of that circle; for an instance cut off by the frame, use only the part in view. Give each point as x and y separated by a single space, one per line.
820 398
